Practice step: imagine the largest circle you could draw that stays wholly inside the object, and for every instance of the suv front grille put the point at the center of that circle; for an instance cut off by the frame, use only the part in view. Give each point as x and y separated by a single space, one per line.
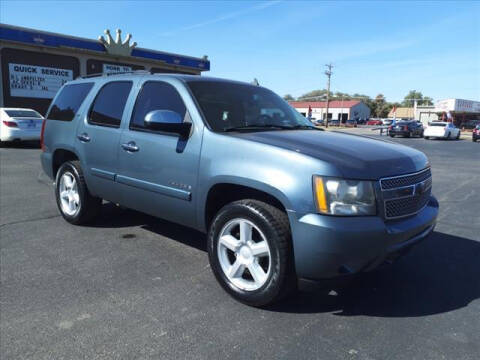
405 180
406 195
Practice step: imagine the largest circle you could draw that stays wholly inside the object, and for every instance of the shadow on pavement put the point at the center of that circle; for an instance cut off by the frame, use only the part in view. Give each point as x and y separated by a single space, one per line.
439 275
113 216
20 144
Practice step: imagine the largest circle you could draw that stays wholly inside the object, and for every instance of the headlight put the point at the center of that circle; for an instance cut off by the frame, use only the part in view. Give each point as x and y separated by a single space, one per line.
344 197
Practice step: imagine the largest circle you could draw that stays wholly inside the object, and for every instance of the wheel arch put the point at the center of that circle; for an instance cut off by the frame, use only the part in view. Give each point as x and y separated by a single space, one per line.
224 192
60 156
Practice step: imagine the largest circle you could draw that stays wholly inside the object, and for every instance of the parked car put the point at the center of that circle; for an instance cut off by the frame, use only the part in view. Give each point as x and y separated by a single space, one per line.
406 129
318 122
351 123
476 133
440 129
334 122
19 124
374 122
387 121
284 204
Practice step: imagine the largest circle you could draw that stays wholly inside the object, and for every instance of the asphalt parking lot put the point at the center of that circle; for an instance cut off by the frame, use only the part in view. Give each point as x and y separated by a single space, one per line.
131 286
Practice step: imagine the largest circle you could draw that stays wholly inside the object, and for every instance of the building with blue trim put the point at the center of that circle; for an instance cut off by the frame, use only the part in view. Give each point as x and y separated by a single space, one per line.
34 64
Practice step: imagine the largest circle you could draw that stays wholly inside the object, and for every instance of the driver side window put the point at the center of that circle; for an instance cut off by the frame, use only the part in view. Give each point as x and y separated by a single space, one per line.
156 95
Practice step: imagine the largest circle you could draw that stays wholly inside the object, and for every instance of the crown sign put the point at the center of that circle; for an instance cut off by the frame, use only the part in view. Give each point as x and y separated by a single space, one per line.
117 47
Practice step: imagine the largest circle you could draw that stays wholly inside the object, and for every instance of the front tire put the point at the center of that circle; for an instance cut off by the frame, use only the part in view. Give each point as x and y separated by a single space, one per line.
249 249
74 201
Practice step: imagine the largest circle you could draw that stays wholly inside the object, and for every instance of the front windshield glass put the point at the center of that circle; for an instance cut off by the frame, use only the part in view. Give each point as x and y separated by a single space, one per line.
230 106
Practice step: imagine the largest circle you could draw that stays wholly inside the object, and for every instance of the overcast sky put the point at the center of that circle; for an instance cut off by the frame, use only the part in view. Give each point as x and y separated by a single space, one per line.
375 47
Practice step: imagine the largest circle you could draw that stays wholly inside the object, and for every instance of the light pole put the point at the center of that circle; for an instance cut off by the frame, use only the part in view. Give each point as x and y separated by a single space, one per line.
329 74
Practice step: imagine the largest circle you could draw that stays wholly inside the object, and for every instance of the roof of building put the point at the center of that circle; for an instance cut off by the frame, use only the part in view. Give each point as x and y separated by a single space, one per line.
402 112
323 104
49 39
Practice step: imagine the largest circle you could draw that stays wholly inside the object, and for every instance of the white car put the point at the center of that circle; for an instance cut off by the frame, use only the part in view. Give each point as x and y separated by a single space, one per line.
20 124
440 129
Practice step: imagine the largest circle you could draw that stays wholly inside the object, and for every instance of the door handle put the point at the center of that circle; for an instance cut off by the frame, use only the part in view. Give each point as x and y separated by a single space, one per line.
130 146
83 137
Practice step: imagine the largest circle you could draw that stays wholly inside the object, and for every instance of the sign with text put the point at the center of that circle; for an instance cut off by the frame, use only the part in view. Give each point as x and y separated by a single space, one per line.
113 69
36 81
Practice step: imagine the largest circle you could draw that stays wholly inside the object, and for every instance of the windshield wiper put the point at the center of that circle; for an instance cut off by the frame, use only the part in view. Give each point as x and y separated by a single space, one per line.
255 127
271 126
304 127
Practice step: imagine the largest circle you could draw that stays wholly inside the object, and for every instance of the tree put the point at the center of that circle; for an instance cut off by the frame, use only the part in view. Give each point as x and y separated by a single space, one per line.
315 95
409 99
288 97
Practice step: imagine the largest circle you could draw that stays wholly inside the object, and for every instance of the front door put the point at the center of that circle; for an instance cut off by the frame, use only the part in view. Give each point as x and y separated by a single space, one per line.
98 138
158 171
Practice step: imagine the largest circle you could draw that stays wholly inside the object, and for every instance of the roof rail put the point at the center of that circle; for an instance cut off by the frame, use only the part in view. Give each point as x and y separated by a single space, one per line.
115 73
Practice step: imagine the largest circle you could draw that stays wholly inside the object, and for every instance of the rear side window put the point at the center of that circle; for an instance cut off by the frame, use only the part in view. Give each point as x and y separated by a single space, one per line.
107 109
156 95
69 101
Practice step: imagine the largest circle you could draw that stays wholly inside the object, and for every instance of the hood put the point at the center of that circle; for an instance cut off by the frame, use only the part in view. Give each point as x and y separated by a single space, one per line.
356 157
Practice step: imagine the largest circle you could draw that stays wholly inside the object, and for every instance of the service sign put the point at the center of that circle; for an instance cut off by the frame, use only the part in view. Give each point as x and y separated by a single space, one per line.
36 81
113 69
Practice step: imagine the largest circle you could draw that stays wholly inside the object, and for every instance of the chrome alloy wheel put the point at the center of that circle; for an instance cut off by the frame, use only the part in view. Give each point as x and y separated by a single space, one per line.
244 254
68 193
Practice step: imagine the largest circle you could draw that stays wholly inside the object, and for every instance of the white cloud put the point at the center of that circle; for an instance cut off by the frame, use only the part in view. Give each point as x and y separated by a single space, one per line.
221 18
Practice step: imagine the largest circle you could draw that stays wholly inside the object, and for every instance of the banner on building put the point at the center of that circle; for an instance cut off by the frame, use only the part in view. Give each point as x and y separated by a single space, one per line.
113 69
32 81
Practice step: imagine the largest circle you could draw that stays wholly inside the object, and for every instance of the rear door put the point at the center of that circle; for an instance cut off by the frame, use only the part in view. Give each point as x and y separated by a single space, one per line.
159 176
98 138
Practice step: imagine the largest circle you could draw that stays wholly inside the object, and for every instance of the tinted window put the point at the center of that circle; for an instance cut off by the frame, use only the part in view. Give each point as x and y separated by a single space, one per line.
228 106
107 109
23 113
68 101
156 95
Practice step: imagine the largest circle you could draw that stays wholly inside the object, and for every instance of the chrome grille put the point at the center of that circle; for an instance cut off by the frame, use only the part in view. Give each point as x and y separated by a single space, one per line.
406 195
405 180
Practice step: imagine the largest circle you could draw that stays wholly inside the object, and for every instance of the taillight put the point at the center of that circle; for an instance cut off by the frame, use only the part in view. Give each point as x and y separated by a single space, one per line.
10 123
390 127
405 128
42 145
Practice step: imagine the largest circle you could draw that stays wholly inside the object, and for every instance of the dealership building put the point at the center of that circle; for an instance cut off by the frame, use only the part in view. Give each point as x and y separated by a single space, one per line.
337 110
463 113
35 64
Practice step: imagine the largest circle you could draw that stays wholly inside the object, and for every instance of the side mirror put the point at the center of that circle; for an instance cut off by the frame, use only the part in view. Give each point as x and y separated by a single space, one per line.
167 121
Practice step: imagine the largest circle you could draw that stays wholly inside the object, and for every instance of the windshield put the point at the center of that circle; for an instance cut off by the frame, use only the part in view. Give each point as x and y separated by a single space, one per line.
23 113
229 106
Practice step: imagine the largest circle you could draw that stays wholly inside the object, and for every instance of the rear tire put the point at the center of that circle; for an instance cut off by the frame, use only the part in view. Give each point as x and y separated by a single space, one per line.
426 137
458 136
232 255
74 201
409 134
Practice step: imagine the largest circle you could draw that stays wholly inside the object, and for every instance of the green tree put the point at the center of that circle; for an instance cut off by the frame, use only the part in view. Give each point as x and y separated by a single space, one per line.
409 99
315 95
288 97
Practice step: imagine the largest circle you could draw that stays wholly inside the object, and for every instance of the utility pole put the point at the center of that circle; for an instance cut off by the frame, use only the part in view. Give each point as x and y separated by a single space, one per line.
329 74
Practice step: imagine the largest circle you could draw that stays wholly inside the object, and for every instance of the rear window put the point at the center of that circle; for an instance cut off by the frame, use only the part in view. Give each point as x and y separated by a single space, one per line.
69 101
23 113
442 125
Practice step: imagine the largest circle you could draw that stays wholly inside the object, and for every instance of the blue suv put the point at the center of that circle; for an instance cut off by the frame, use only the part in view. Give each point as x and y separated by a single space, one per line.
285 205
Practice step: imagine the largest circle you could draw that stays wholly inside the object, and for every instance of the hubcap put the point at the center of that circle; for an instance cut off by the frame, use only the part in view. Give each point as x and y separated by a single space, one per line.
244 254
69 197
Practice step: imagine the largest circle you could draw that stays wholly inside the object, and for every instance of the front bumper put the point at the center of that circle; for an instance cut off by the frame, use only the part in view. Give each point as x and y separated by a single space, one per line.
328 247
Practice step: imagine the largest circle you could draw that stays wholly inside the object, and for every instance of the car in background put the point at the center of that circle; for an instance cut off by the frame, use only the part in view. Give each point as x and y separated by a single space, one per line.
388 121
334 122
406 129
374 122
18 124
441 129
476 133
351 123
